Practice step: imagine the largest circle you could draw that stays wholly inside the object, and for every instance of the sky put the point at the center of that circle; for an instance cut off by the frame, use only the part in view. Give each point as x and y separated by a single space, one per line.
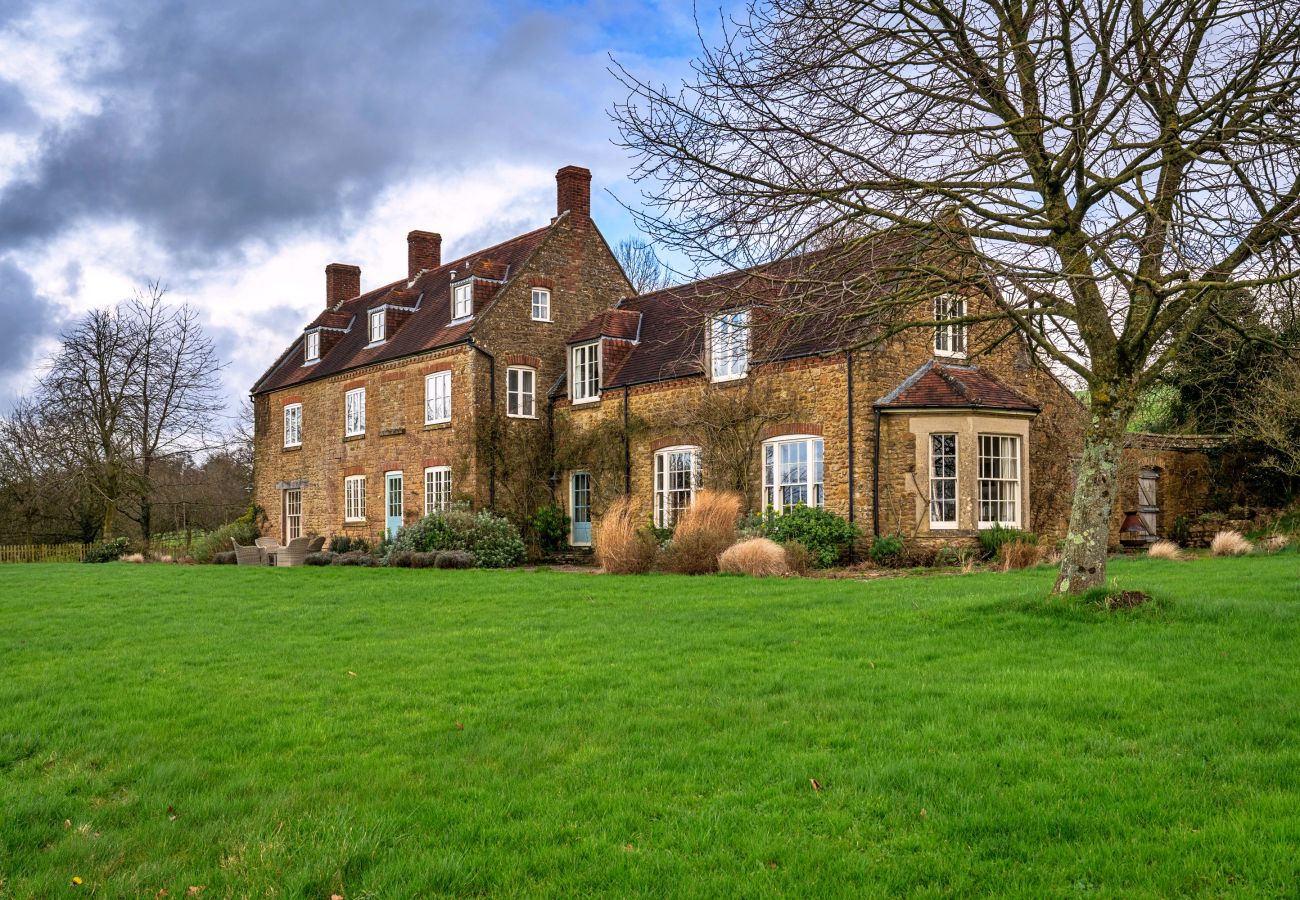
232 149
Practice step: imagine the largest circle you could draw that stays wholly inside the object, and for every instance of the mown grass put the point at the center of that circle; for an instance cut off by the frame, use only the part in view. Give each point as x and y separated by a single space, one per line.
396 733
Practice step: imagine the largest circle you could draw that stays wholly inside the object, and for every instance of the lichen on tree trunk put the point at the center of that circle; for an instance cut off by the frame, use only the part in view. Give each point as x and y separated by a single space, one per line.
1083 553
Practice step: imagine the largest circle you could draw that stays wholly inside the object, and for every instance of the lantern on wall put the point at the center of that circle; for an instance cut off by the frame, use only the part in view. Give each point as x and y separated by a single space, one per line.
1133 532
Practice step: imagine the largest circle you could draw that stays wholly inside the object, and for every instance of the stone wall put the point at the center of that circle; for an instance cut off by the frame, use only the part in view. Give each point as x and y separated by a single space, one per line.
573 262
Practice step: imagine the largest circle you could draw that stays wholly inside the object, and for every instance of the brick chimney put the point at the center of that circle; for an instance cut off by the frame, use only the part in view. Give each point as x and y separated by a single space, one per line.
342 282
423 251
573 192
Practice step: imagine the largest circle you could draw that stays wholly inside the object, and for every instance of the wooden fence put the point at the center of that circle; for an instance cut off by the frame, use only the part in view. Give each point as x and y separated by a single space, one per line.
27 553
18 553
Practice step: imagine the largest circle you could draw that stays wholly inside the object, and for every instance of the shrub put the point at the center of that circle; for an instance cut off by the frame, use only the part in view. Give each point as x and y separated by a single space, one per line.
704 530
826 535
355 558
1164 550
342 543
1018 554
1230 543
453 559
551 526
218 541
224 558
1180 532
992 539
623 546
951 555
107 551
494 541
323 558
756 556
423 560
797 558
400 559
1276 543
887 550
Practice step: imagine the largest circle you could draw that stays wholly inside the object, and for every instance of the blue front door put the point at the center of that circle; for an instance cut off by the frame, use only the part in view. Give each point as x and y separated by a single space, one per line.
393 503
580 504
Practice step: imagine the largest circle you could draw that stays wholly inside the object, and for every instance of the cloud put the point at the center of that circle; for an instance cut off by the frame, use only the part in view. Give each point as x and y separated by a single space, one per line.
231 149
27 319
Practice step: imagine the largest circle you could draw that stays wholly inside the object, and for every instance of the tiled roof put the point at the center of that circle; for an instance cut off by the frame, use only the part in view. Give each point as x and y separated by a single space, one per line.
834 283
946 386
623 324
428 327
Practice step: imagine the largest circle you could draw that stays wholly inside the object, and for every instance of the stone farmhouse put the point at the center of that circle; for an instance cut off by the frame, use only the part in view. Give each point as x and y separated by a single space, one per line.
529 373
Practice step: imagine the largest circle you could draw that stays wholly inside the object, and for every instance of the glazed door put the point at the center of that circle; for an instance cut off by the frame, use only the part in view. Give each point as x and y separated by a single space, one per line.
580 504
393 503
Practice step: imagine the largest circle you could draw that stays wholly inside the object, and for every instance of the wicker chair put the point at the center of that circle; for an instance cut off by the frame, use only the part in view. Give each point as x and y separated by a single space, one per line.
295 552
248 556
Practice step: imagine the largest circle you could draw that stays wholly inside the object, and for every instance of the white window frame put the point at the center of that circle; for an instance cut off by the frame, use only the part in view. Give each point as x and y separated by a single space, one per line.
516 395
1001 488
354 425
814 482
936 481
541 304
729 345
437 489
949 337
580 388
293 425
354 498
665 513
311 347
378 323
462 291
292 518
437 398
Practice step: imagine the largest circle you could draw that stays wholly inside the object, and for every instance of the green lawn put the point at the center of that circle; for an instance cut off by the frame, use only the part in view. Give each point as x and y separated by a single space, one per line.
399 733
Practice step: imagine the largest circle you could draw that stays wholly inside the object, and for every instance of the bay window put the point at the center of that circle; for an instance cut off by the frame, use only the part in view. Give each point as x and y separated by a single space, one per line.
999 480
943 481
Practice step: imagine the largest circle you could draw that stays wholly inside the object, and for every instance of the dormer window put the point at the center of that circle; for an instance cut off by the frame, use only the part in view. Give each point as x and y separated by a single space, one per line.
729 345
462 300
377 326
949 336
586 373
541 305
311 347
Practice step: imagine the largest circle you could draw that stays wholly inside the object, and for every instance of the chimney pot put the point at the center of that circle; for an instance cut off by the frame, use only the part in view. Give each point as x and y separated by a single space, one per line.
573 192
423 251
342 282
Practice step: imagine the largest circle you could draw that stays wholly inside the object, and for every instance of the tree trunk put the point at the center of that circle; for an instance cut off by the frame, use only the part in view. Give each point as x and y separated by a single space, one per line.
1083 555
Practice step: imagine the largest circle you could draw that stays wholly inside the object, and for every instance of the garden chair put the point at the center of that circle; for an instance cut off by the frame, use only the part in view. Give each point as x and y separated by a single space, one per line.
295 552
252 555
317 544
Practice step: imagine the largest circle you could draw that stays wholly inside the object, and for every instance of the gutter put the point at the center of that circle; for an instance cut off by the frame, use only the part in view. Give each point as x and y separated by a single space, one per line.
875 481
627 446
492 399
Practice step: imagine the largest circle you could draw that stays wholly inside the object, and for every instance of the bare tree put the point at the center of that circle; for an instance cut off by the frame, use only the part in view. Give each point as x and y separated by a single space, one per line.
641 265
1120 166
132 385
